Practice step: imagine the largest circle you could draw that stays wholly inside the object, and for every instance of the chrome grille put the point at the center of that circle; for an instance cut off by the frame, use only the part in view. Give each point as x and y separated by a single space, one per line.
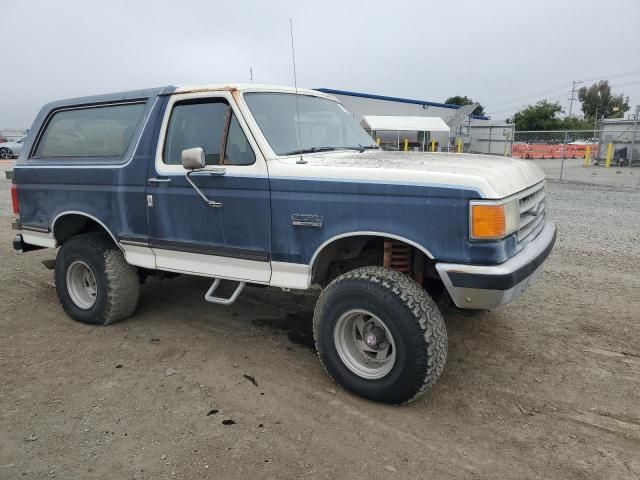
532 213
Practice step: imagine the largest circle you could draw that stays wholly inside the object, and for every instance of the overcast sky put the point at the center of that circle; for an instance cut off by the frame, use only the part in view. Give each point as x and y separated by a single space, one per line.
505 54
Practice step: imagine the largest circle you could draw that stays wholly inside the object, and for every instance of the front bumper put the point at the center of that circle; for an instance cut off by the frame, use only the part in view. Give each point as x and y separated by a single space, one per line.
485 287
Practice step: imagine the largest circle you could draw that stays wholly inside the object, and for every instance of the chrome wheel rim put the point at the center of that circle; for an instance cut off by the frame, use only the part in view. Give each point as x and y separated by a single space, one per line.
81 285
4 153
364 344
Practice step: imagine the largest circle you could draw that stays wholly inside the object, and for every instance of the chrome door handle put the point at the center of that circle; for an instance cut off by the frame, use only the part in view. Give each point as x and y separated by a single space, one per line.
159 180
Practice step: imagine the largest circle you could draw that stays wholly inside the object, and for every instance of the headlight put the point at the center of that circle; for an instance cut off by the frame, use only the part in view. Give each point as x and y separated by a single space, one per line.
493 220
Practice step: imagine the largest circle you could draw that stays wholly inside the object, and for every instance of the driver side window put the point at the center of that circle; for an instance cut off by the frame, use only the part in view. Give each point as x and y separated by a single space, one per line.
209 124
196 124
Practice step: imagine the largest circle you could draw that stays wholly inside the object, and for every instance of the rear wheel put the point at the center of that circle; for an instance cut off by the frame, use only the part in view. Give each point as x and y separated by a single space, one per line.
94 282
5 153
380 335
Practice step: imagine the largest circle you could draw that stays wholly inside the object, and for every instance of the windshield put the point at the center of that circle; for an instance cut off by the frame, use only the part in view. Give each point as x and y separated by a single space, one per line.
324 124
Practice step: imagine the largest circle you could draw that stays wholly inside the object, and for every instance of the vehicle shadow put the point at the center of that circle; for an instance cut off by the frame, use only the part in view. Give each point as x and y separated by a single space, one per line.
273 310
286 313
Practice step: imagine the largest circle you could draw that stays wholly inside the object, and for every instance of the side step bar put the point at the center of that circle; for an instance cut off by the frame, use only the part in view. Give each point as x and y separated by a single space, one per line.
209 297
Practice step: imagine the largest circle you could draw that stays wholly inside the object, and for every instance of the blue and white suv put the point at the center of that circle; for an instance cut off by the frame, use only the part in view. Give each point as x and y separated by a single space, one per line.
274 186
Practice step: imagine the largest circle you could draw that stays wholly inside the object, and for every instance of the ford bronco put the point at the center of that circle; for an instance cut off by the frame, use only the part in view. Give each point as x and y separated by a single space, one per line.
281 187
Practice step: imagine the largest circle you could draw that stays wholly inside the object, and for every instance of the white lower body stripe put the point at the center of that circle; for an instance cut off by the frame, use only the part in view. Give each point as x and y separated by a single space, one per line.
290 275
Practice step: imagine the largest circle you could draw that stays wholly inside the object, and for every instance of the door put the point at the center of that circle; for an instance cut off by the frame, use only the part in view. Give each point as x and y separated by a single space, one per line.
232 239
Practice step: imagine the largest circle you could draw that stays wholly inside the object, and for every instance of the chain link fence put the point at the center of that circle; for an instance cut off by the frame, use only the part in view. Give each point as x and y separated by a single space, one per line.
618 148
607 156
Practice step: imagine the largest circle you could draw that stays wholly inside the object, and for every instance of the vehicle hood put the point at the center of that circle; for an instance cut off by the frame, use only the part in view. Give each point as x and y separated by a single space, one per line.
492 176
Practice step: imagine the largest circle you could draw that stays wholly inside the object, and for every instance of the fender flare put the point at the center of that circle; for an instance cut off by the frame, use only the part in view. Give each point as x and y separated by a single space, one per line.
366 234
82 214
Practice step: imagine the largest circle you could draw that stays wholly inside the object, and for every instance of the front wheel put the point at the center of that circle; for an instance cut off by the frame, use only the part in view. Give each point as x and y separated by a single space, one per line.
380 335
5 153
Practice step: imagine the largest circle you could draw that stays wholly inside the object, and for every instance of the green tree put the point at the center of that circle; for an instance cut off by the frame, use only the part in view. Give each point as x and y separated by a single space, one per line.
464 100
541 116
598 100
574 123
545 116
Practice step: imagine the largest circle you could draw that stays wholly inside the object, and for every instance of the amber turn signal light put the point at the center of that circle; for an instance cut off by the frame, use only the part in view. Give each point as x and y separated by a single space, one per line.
488 221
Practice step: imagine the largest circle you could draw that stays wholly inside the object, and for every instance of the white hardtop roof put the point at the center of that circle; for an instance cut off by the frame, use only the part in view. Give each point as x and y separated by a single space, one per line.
413 124
250 87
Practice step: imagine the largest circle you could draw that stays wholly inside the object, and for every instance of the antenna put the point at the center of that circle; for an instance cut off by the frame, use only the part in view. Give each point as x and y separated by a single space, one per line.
251 74
295 84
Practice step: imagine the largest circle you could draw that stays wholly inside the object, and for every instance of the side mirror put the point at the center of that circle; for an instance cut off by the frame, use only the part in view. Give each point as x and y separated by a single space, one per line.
193 158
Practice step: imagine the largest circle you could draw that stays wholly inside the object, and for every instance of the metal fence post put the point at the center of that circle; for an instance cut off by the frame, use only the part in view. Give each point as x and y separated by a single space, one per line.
506 142
633 138
564 151
513 139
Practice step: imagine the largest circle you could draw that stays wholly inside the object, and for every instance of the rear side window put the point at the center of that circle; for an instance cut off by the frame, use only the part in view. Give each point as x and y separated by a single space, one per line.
104 131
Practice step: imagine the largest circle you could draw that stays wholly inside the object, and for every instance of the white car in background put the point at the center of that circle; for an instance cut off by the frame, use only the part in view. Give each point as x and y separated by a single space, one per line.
11 149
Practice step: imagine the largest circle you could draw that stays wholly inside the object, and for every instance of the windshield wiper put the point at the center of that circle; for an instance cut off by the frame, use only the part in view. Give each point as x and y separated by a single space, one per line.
311 150
359 148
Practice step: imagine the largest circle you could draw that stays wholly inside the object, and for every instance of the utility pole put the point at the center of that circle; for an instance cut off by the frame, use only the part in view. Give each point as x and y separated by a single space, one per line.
566 133
573 95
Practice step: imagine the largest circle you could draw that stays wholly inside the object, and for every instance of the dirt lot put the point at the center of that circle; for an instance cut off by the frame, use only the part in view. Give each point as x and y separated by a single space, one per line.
548 387
573 170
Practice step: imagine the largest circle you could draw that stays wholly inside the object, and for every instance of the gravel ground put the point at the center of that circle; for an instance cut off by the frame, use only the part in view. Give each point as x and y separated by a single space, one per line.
547 387
573 170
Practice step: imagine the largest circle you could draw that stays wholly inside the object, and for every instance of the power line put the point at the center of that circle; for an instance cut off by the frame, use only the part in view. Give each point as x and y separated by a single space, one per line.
625 84
536 96
533 96
522 105
519 105
615 75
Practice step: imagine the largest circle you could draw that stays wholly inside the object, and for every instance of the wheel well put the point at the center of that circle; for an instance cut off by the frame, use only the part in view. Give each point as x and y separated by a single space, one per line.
73 224
348 253
345 254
